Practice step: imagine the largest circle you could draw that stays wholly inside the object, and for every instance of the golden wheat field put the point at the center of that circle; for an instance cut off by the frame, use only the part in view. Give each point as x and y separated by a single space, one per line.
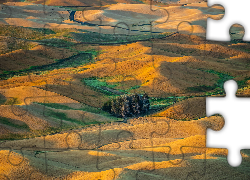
65 64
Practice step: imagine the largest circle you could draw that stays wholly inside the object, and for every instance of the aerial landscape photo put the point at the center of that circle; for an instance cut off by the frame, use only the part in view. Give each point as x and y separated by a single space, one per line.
115 90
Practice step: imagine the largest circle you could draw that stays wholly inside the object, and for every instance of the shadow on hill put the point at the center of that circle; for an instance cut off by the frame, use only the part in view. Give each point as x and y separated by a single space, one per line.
207 10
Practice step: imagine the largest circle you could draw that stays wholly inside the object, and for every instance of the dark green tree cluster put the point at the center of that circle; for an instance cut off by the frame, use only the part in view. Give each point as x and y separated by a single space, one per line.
128 105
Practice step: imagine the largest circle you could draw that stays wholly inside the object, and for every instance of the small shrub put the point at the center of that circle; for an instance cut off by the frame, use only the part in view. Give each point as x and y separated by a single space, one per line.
2 99
12 101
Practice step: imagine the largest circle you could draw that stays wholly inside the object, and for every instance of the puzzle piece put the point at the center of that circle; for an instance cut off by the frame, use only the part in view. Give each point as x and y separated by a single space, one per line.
234 13
236 33
12 160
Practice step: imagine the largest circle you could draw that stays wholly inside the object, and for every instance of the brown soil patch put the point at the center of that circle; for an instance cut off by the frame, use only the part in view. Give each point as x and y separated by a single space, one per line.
20 114
191 108
4 130
37 56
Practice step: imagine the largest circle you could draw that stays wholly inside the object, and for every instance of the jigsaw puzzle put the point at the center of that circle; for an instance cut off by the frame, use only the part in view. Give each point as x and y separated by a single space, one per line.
113 90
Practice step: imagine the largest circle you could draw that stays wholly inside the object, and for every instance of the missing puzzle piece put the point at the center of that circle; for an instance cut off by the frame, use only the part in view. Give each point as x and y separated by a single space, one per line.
236 127
235 12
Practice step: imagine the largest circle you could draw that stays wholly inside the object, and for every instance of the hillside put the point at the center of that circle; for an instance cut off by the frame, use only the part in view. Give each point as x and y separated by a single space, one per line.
57 72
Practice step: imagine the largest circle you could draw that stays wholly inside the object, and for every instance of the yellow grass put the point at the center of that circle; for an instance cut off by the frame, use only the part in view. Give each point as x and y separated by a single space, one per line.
97 153
104 175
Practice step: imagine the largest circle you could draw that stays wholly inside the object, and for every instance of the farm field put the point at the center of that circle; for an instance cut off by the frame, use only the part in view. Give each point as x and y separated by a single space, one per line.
60 70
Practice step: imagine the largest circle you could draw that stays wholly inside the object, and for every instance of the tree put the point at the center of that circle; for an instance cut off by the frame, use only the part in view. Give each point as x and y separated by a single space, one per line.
128 105
125 110
136 104
146 104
